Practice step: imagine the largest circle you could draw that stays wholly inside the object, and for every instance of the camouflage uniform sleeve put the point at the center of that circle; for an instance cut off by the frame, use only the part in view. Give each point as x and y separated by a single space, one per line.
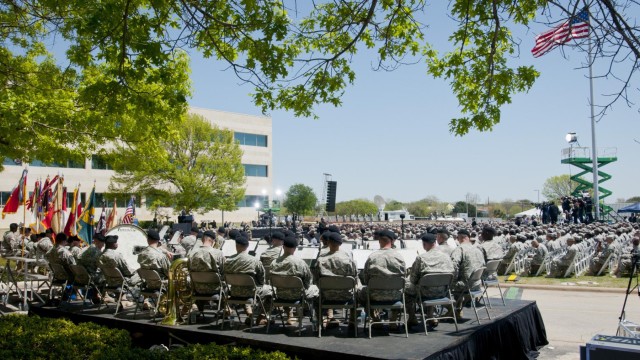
414 277
259 273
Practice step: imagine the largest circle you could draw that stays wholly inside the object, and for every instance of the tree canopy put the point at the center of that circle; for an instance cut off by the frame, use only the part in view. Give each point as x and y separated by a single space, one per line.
124 74
556 187
356 207
197 168
300 199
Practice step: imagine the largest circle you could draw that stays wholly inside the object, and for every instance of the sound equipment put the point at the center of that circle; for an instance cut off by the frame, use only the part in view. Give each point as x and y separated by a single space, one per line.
332 187
185 219
260 233
607 347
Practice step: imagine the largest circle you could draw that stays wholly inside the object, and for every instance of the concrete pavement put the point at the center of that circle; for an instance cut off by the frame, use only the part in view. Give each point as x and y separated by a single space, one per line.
572 318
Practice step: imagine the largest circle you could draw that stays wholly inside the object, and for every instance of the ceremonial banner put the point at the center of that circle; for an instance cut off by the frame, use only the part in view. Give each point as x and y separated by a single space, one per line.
87 219
17 196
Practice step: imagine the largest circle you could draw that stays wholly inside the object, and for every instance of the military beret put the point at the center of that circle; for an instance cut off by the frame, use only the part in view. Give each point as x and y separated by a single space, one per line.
277 235
489 230
428 238
332 236
334 228
209 234
221 230
49 231
195 229
241 240
290 242
388 234
99 237
111 239
521 237
153 234
61 237
442 230
464 232
234 234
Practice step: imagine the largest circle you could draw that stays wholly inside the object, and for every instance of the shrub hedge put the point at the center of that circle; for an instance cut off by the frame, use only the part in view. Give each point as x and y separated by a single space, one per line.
32 337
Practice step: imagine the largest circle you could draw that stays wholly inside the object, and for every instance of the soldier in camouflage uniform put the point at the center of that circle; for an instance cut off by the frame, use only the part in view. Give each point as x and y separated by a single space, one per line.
189 241
113 259
273 251
290 265
384 262
44 245
514 248
59 254
207 259
560 265
11 240
533 263
74 247
442 237
627 257
491 249
243 263
90 258
430 262
220 238
153 258
466 259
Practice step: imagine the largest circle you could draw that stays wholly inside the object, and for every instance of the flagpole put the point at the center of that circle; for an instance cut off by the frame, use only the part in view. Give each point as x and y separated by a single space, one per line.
24 211
596 195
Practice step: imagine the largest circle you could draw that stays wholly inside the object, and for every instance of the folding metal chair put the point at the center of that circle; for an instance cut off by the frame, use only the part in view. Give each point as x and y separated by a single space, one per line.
295 284
213 281
476 276
116 282
243 281
387 283
60 278
152 288
441 282
339 283
82 279
490 278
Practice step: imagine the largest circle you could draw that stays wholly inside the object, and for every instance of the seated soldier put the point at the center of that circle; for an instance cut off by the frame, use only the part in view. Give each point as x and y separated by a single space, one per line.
113 259
289 265
466 259
153 258
430 262
560 265
90 258
274 250
243 263
189 241
74 246
59 254
220 238
10 240
335 262
387 262
630 254
533 262
206 259
491 249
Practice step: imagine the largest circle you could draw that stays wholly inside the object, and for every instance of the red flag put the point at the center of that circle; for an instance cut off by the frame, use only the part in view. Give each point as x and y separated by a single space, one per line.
70 228
17 196
64 198
111 219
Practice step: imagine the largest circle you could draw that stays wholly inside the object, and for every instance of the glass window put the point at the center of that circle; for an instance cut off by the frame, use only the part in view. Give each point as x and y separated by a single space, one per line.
36 162
251 139
4 196
75 164
98 162
10 161
255 170
251 200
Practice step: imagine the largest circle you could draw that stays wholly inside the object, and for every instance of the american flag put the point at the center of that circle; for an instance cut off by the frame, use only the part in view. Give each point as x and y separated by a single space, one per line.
575 28
130 212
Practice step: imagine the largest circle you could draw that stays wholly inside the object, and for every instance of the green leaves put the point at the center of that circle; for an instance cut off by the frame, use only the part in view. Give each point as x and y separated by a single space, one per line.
300 200
198 168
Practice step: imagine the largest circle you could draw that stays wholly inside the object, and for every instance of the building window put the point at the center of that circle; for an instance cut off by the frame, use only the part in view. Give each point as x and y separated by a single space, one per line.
250 201
251 139
99 163
255 170
4 196
9 161
61 164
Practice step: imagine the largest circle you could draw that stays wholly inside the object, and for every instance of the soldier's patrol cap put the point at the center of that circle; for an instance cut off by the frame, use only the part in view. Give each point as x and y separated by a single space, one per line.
153 235
290 242
464 232
428 238
333 236
221 230
277 235
241 240
111 239
99 237
388 234
209 234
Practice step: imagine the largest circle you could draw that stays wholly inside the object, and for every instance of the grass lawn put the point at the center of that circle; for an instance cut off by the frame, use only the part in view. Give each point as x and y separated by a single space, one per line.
583 281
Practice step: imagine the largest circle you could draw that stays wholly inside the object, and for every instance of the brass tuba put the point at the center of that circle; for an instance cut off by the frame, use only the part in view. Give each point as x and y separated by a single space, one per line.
179 294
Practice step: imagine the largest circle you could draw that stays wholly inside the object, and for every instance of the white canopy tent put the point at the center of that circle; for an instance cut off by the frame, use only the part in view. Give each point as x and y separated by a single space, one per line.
529 213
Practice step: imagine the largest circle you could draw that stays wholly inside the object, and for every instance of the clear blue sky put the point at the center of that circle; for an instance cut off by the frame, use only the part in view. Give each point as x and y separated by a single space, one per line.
390 137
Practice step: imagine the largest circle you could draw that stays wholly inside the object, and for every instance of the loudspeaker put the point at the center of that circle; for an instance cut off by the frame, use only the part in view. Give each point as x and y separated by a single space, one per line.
607 347
332 187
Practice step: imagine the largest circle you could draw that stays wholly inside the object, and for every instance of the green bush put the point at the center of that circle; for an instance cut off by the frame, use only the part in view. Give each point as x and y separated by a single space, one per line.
32 337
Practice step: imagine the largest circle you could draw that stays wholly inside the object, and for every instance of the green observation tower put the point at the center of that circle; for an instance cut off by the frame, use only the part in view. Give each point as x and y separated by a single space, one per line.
581 158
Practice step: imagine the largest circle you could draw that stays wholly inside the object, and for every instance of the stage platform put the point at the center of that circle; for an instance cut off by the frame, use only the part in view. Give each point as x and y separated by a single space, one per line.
516 331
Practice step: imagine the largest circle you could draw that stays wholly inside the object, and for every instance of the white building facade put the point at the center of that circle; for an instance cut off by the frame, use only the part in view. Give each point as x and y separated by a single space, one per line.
253 133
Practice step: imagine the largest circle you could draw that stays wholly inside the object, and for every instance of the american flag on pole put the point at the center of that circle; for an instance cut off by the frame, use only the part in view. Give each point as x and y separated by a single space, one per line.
575 28
130 212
